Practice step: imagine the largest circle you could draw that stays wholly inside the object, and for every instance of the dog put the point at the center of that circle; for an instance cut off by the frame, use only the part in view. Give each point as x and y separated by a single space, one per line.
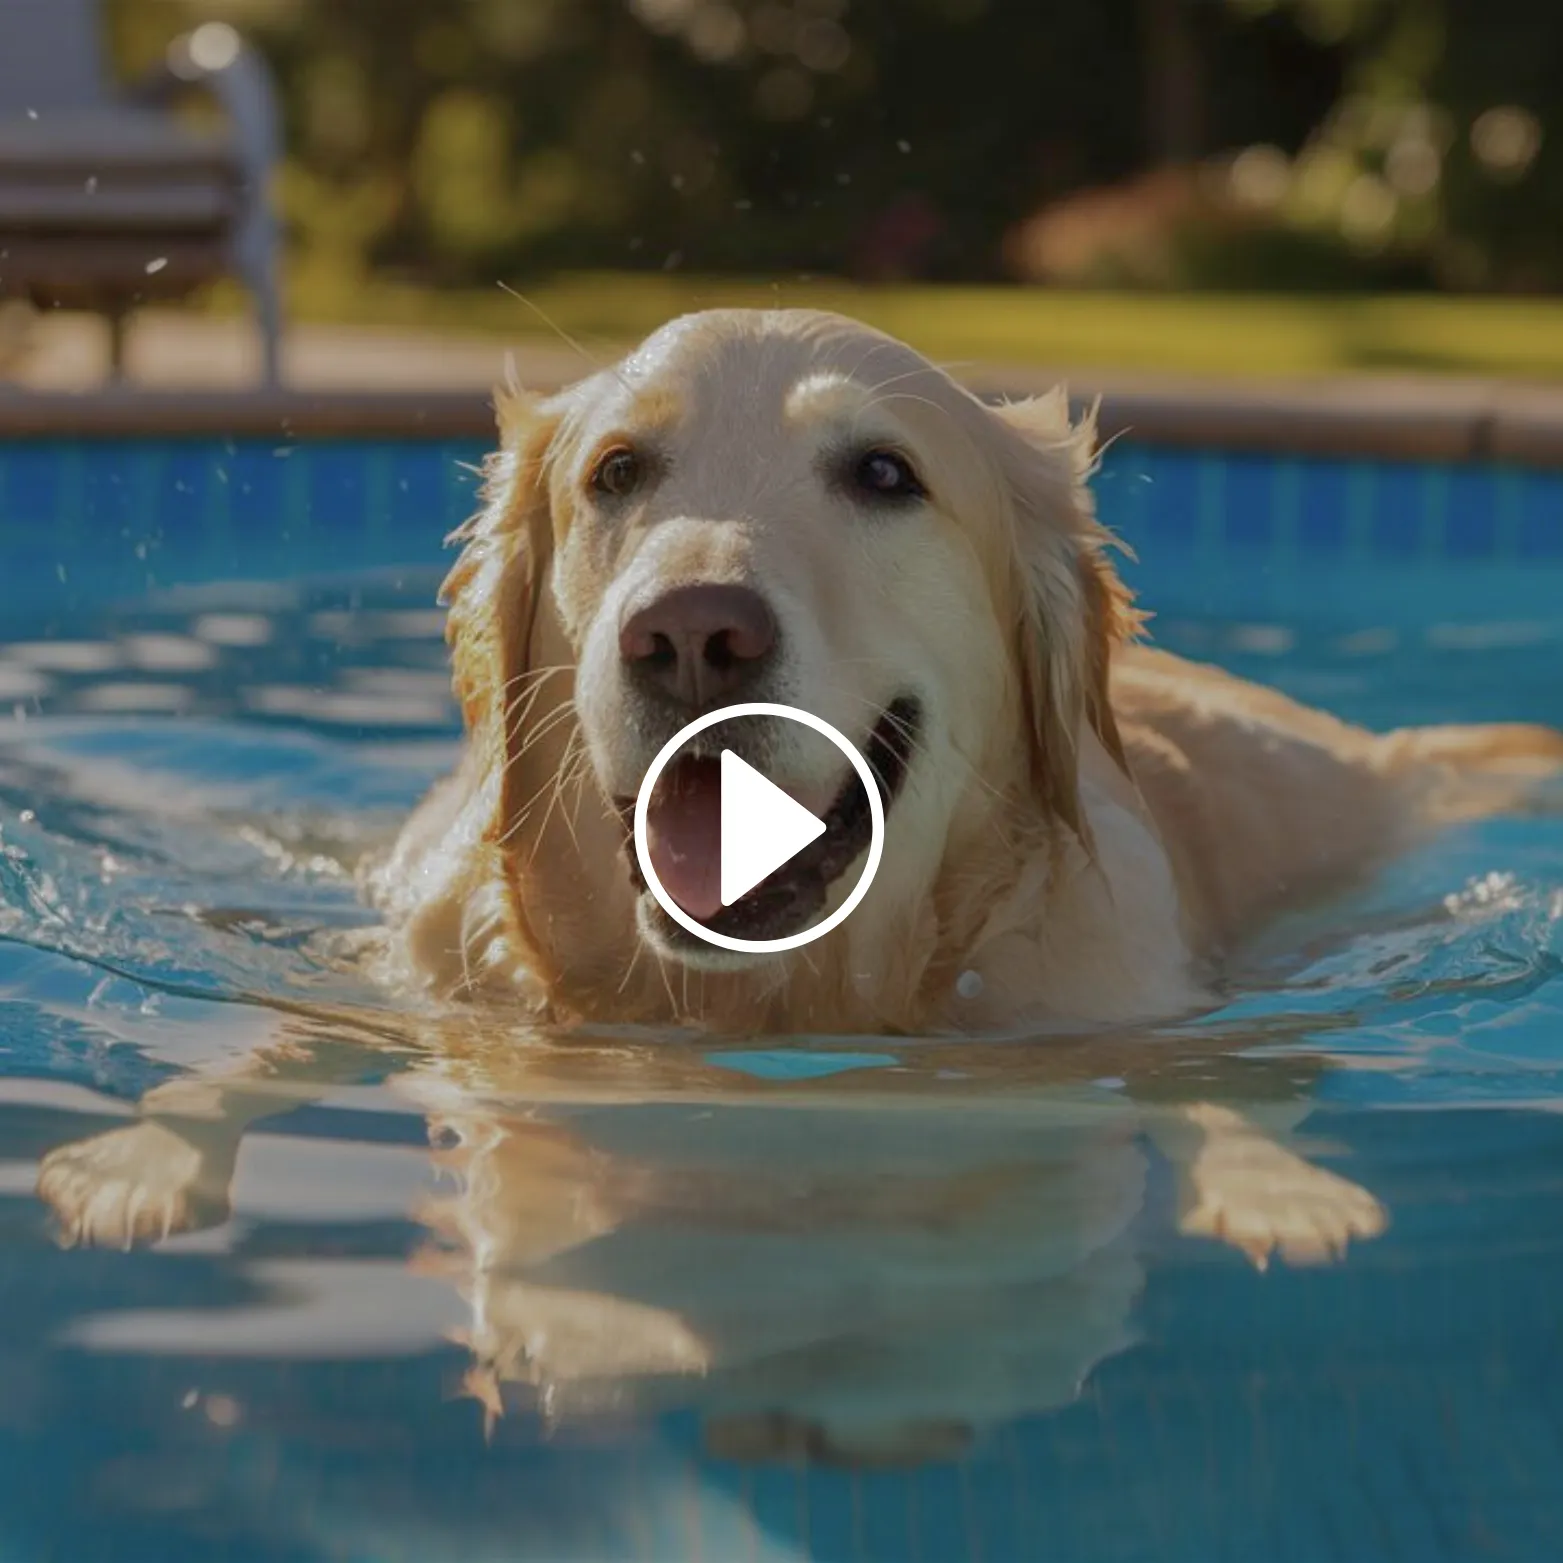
787 506
1080 830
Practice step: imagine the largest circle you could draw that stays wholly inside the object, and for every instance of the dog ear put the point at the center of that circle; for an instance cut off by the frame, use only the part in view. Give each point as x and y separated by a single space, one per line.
494 590
1073 610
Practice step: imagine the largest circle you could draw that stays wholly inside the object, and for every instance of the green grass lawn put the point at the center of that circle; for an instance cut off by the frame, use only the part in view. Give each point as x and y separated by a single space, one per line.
1197 333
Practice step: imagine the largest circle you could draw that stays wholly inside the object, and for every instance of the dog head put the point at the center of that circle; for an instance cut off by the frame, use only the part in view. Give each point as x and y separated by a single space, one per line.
780 506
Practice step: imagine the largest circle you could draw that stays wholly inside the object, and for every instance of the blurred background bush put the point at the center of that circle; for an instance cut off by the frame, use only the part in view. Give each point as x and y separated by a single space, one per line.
1281 145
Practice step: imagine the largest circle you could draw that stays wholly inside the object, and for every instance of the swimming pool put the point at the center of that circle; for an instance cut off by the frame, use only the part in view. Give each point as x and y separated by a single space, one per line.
225 683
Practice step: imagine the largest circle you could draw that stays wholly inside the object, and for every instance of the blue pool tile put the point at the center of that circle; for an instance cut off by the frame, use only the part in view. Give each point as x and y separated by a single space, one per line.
1171 505
1540 530
830 1511
338 491
30 489
257 482
1399 511
1470 525
991 1495
776 1499
1324 499
886 1517
1249 501
32 577
941 1523
1120 491
420 486
180 529
462 482
117 494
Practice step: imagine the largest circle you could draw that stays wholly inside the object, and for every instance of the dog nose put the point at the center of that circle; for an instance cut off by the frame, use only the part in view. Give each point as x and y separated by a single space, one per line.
700 643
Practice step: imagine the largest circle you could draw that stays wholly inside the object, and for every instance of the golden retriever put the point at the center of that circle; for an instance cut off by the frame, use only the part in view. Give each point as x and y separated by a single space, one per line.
786 506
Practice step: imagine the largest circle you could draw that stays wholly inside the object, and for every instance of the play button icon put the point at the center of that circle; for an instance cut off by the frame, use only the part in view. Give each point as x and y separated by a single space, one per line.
762 828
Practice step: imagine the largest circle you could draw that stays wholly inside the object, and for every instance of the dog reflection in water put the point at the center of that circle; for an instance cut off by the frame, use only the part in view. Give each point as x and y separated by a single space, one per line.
870 1268
837 1290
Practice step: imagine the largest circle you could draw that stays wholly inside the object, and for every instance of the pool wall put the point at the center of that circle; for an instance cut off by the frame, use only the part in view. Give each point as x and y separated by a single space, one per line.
89 519
1411 521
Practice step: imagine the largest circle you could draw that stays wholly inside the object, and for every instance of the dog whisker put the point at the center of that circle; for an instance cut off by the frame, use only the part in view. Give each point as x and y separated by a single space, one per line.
552 324
514 708
554 796
636 955
902 396
555 719
564 336
528 675
572 773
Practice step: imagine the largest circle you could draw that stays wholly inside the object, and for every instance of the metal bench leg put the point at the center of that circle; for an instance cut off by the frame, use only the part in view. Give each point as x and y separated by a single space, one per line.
119 322
217 58
261 275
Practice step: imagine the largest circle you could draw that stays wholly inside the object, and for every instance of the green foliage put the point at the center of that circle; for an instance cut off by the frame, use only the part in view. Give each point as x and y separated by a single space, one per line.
461 141
1445 148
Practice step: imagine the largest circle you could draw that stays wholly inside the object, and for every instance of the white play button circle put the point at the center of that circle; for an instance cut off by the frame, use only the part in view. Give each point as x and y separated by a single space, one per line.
762 828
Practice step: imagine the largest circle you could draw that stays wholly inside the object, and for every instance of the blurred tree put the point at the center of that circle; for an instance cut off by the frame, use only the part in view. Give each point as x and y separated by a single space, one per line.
1498 86
1442 151
1174 79
458 141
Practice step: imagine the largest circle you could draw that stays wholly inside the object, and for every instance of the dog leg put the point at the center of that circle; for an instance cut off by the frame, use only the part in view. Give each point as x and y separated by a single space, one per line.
173 1171
1241 1187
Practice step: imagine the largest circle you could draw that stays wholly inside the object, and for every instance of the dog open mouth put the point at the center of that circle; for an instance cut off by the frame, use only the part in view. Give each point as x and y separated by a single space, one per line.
684 836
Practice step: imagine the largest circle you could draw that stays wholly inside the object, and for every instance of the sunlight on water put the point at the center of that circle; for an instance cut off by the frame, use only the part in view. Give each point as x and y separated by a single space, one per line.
483 1295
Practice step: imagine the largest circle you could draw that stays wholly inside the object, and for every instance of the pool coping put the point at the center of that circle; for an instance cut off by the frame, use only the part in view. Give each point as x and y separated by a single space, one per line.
1400 418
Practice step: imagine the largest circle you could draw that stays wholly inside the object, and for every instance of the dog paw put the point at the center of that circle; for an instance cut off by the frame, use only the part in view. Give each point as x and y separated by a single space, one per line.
1257 1196
134 1185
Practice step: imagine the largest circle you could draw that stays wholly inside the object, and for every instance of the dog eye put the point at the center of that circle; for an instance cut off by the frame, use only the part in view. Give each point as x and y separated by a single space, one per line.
887 474
618 473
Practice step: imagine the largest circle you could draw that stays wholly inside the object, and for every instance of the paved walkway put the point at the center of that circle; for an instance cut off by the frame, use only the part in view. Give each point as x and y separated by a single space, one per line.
181 350
183 355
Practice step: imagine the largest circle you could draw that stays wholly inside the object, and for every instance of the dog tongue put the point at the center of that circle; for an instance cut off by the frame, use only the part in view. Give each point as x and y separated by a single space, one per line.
684 835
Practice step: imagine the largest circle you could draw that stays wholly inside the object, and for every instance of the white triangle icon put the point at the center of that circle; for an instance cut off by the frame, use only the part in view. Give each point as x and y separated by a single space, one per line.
761 827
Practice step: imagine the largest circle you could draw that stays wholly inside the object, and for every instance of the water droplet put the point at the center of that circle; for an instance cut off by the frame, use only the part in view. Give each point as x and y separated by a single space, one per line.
155 266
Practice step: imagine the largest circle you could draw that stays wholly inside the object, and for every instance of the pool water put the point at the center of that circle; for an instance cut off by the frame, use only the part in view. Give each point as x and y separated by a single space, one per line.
868 1298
